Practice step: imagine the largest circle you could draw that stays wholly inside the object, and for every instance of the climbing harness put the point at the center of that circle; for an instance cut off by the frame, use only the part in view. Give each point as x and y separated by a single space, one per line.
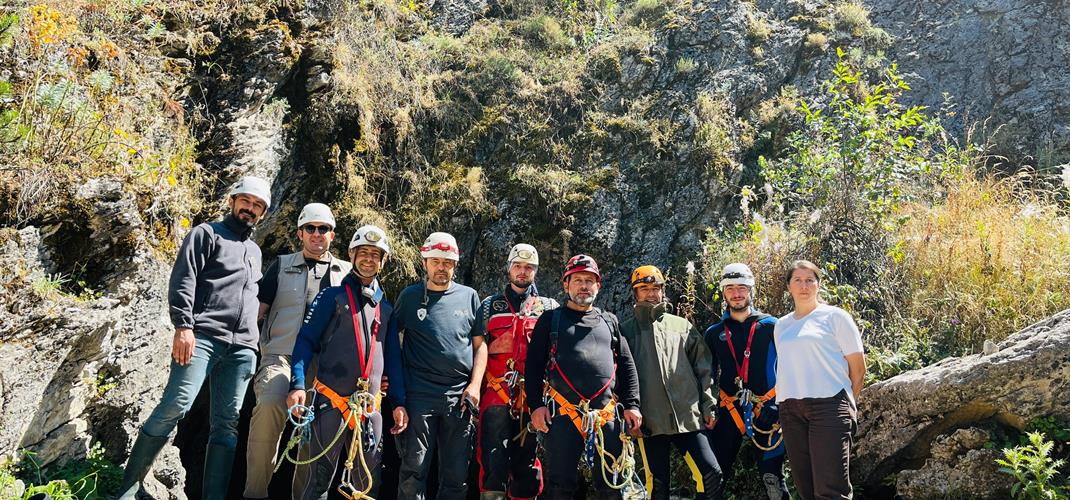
745 402
510 386
618 471
355 409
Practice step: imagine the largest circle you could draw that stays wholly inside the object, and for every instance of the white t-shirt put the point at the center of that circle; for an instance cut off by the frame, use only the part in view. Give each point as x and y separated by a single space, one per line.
810 353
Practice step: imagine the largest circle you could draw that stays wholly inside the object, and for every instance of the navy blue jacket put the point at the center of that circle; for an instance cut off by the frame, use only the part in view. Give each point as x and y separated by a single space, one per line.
762 358
328 332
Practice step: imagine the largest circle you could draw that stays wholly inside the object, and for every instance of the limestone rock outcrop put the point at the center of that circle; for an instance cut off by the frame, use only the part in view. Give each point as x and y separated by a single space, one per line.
921 421
999 59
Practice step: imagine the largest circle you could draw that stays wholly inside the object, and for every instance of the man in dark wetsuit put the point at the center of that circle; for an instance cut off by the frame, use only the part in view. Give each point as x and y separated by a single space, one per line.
590 372
745 357
507 462
345 329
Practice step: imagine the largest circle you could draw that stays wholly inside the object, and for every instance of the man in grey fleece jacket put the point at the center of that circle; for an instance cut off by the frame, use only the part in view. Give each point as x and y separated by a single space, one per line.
213 307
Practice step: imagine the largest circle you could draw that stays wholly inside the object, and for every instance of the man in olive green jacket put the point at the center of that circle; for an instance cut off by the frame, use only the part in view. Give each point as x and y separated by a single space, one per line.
675 393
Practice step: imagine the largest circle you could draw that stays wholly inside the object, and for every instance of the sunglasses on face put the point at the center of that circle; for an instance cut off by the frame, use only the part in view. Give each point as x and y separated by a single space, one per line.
312 228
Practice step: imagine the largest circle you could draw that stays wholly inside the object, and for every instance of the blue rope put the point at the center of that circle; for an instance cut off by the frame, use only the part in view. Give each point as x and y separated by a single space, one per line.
303 423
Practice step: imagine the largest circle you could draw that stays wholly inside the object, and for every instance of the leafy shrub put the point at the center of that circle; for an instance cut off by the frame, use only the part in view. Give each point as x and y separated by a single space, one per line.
92 478
931 257
1035 472
82 107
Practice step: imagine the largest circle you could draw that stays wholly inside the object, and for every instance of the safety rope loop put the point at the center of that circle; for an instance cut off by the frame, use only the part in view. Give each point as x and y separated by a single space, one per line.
303 432
774 436
307 415
361 406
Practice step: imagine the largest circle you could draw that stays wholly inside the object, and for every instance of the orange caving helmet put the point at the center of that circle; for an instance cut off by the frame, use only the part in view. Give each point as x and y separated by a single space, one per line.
647 274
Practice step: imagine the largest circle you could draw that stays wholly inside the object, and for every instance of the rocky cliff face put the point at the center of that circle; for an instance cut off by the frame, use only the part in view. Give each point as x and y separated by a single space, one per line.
491 120
998 59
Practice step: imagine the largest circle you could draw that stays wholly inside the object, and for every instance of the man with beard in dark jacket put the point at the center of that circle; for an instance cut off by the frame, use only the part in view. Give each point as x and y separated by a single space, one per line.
213 305
587 368
674 385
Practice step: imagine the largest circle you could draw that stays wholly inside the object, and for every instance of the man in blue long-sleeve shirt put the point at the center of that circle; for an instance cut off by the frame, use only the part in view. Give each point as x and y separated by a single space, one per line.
213 306
345 329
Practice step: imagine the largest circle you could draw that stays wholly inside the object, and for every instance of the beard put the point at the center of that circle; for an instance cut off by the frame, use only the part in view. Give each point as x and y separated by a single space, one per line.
246 217
584 300
520 282
741 308
440 279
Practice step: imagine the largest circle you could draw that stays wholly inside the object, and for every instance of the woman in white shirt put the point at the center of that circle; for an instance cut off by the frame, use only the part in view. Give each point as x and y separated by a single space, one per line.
820 368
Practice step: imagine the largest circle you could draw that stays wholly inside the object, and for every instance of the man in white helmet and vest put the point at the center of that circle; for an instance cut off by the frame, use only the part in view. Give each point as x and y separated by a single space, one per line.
443 367
507 461
744 368
213 307
345 330
287 290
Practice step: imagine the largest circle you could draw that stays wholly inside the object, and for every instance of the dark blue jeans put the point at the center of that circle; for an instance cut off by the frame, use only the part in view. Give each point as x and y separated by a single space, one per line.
229 368
440 424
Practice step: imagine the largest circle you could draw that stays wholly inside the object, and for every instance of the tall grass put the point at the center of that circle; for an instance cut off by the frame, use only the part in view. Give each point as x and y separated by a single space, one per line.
991 258
932 257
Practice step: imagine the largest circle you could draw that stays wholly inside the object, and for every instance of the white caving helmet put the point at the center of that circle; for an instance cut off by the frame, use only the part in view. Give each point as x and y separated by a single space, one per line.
522 252
316 212
372 236
737 274
254 186
440 245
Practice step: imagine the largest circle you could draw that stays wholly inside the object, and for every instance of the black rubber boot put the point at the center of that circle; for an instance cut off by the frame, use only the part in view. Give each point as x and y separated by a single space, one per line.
714 485
218 461
146 448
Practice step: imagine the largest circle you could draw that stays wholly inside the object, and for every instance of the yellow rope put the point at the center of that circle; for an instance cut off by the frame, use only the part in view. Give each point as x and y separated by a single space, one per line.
772 430
621 466
364 403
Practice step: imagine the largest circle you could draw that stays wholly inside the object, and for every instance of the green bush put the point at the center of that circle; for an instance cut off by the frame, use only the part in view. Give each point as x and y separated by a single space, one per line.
1036 473
930 256
83 106
92 478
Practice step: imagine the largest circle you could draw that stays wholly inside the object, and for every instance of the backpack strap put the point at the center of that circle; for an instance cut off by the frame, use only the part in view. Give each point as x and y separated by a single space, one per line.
614 333
555 327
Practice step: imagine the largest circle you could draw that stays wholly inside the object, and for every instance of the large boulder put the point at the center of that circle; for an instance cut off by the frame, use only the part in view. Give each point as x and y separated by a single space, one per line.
901 418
